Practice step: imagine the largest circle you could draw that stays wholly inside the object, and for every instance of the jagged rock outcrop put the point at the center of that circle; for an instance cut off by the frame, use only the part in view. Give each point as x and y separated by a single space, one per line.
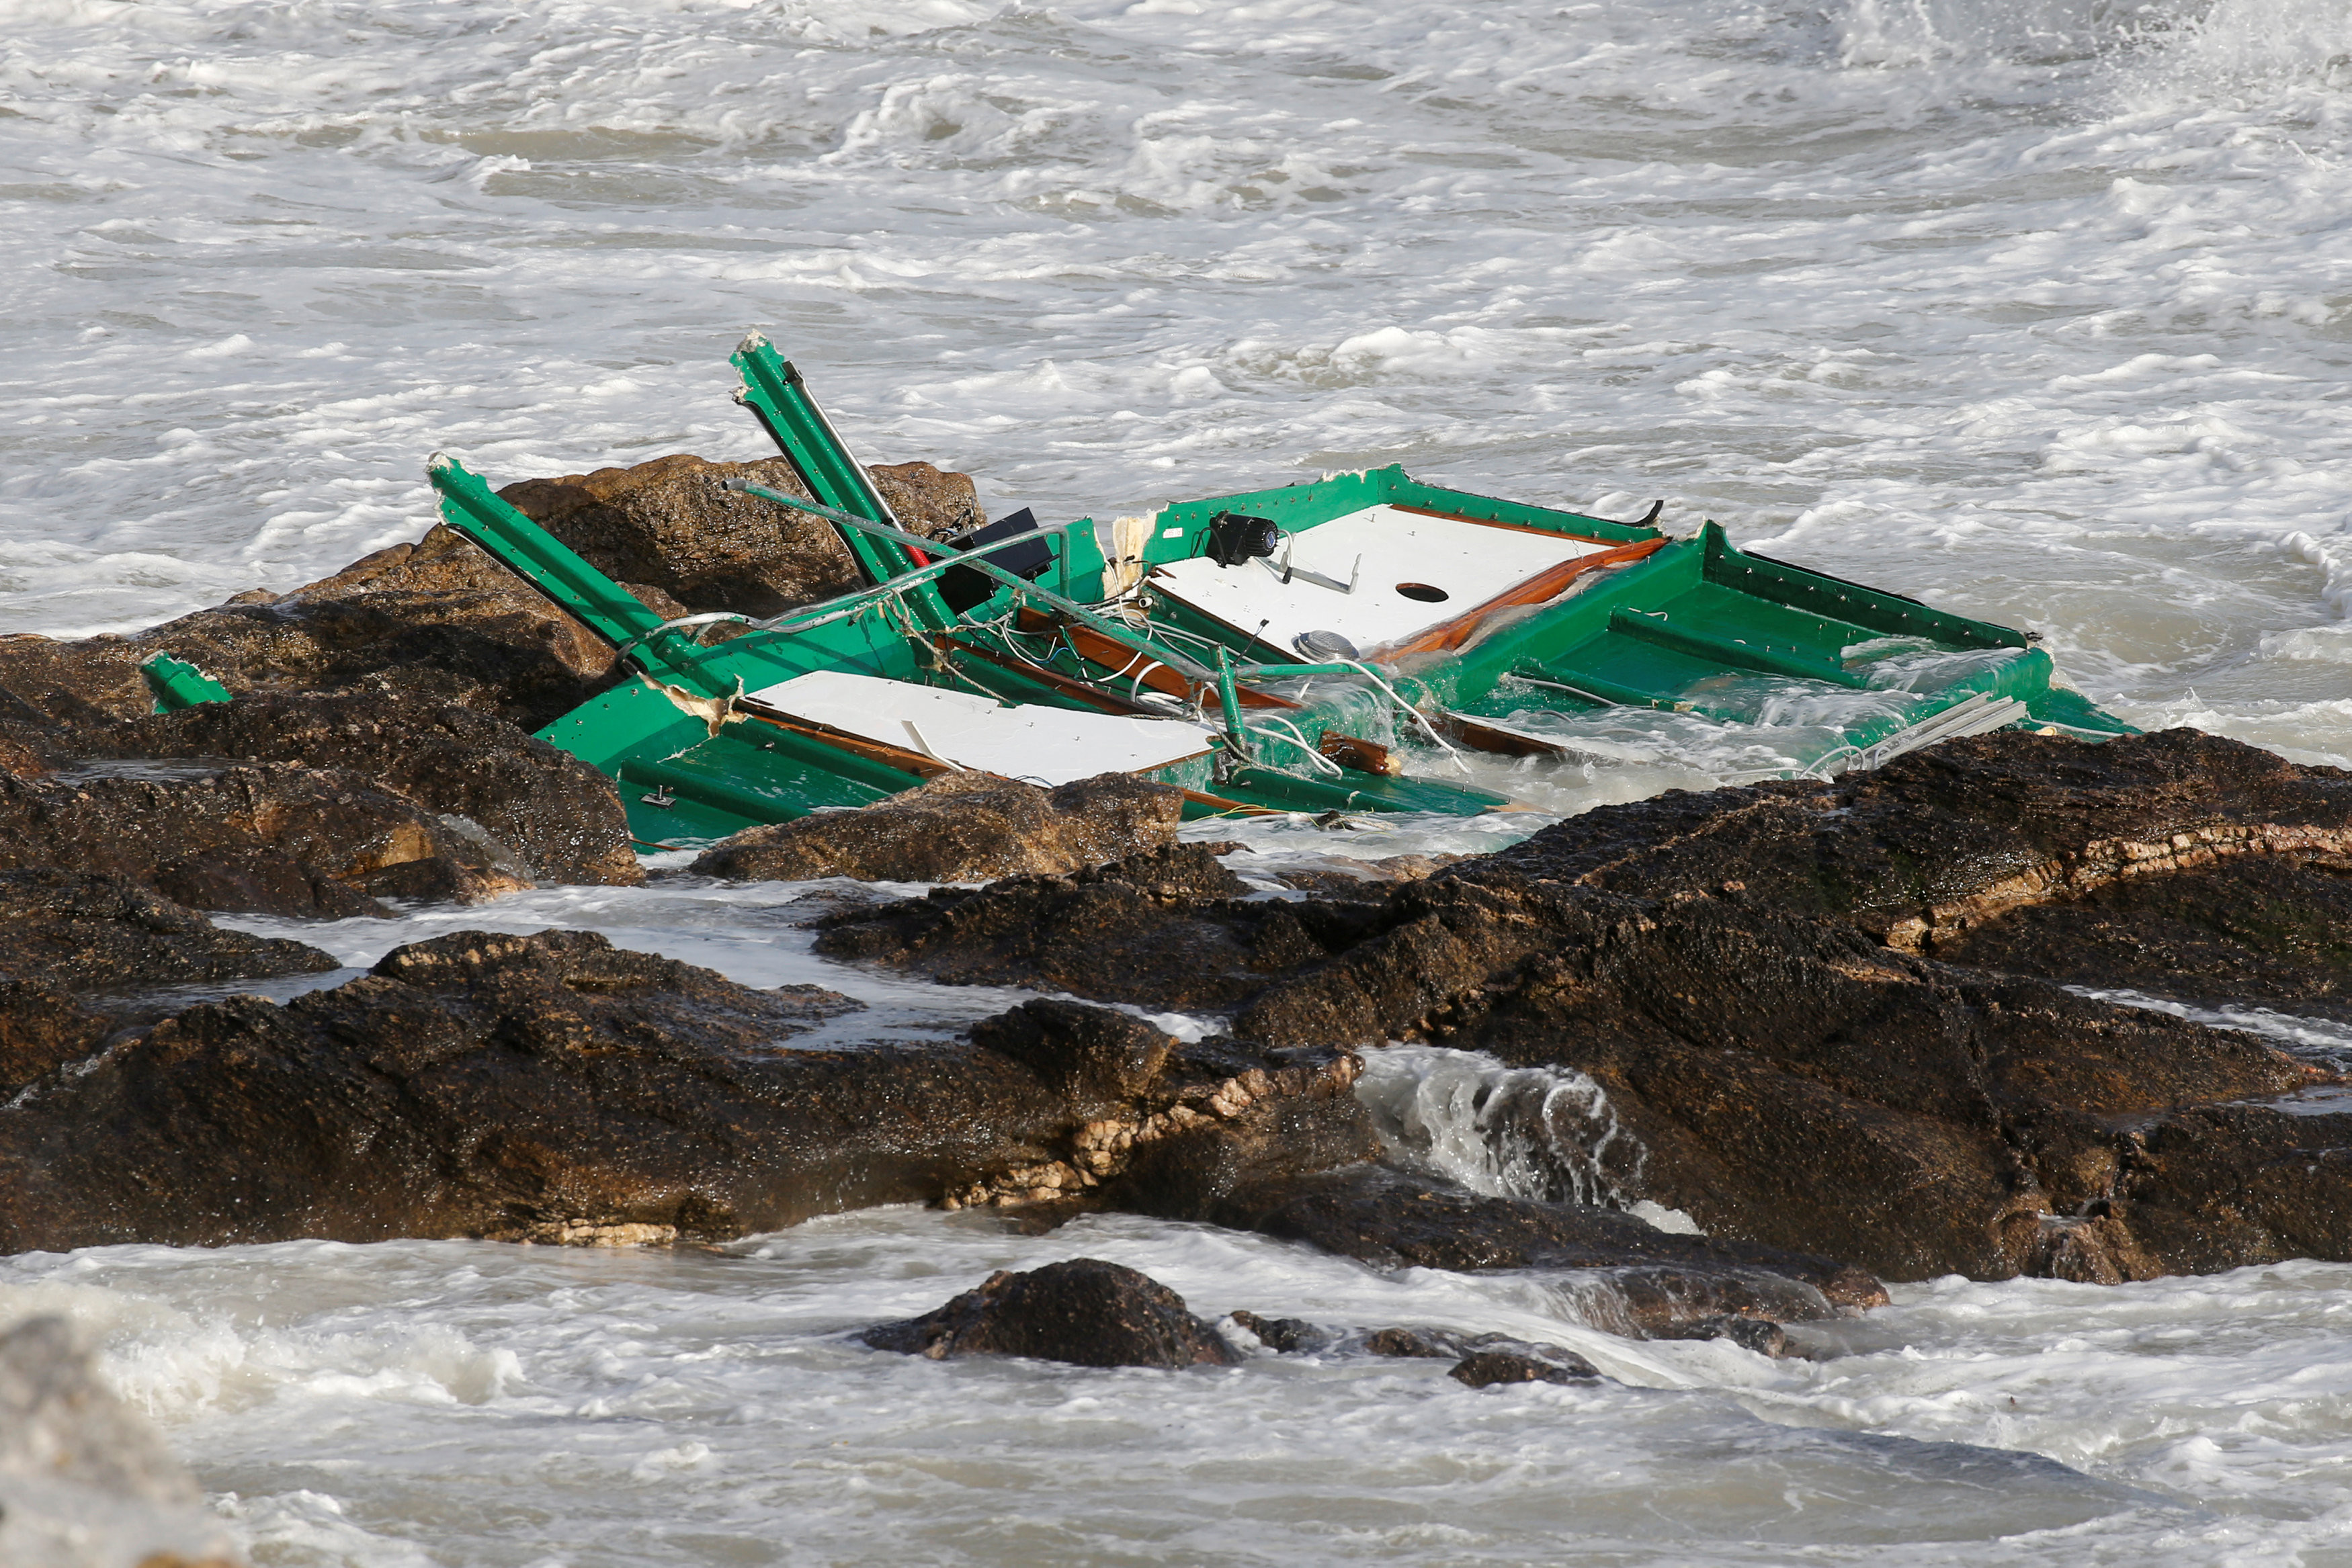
1751 978
1486 1368
440 616
553 1087
1938 852
85 1481
671 524
440 619
549 814
1168 928
273 839
1082 1311
65 935
959 827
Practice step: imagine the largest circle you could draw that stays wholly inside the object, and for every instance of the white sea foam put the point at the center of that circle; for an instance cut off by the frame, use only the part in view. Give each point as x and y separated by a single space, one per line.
2030 307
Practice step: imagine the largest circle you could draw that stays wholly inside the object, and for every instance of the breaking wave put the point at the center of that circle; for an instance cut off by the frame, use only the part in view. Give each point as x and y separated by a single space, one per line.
1508 1132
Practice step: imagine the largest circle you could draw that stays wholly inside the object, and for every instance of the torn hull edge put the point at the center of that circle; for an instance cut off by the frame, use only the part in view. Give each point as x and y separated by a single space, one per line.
1332 646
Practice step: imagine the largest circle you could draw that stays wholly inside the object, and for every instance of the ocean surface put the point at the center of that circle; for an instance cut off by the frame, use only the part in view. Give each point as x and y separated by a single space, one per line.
2040 309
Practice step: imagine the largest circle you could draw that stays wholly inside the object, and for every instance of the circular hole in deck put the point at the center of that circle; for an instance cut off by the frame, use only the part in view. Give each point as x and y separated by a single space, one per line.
1423 592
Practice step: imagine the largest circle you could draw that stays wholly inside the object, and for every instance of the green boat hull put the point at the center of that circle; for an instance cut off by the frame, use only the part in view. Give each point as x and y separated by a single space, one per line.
1689 630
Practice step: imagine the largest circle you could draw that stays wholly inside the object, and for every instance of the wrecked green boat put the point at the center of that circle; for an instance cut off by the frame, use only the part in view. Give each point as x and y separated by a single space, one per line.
1342 645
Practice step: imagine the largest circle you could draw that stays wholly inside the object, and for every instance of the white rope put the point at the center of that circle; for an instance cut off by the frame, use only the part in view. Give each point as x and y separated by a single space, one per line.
1428 728
1322 761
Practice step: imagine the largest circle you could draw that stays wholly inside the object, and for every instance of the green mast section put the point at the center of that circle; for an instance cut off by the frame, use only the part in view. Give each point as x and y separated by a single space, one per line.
689 763
772 390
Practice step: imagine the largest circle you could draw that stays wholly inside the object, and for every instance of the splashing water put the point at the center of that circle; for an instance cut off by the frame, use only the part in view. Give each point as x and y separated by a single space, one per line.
2033 308
1544 1133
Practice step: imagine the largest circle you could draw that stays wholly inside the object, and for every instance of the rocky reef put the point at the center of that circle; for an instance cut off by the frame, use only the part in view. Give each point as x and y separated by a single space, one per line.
1964 1014
1783 992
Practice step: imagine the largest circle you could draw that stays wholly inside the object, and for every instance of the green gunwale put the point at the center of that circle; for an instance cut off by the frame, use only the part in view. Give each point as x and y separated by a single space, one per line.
1674 630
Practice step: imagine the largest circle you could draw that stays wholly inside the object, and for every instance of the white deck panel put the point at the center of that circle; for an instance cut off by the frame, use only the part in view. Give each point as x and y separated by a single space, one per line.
1471 561
1044 745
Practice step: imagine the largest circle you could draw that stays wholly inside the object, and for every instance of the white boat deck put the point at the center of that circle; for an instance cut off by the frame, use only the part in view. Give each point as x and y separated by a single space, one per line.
1046 746
1383 550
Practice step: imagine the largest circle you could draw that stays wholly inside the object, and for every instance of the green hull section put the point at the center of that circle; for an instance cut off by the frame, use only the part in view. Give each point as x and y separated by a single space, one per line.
1638 629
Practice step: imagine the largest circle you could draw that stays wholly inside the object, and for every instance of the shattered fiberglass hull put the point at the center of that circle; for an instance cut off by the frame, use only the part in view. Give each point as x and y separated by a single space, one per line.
1333 645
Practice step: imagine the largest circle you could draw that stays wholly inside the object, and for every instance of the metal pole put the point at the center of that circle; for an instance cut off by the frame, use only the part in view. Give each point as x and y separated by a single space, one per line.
1117 633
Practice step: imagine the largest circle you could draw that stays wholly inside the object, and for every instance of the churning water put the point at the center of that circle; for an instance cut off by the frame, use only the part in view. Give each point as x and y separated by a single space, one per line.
2038 309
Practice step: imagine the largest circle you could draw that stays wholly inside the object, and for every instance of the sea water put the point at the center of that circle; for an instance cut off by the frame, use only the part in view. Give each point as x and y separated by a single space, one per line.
2035 309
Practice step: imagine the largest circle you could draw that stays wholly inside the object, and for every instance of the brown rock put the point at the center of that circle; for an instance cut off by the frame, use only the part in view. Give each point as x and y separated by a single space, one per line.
1094 1056
1735 973
928 500
551 815
1285 1336
88 932
553 1088
1167 928
670 526
42 1028
1085 1312
72 932
271 840
1486 1368
959 827
441 614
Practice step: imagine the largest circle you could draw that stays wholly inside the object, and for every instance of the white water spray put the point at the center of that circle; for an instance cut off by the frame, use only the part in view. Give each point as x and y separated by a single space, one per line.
1509 1132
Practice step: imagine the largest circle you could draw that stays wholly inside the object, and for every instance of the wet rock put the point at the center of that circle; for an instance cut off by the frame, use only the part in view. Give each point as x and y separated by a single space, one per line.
1486 1368
1168 928
42 1028
24 751
85 1481
553 1088
1215 1114
959 827
2253 930
85 932
1410 1343
440 616
63 933
1762 1335
670 524
1084 1310
1096 1056
1286 1336
1923 850
928 499
553 816
1784 1079
276 839
1750 981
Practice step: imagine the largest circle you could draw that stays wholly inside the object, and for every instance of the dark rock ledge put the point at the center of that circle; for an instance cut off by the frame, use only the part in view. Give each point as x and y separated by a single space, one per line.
1825 1013
1843 1025
553 1088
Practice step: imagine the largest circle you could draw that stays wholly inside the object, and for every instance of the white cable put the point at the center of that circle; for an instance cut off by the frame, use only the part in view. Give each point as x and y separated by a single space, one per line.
1301 737
1428 728
1320 760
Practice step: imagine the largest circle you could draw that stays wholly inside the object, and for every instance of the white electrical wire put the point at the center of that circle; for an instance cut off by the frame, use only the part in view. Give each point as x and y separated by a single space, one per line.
1428 728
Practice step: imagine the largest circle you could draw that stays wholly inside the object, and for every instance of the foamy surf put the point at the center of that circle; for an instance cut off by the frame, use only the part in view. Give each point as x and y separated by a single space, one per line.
2030 308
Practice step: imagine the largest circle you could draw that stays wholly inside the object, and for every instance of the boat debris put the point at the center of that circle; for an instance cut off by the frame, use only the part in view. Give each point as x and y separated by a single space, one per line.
1341 645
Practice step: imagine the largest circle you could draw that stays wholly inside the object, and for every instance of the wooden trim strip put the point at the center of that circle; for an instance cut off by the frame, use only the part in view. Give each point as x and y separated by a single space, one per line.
1098 649
1448 636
